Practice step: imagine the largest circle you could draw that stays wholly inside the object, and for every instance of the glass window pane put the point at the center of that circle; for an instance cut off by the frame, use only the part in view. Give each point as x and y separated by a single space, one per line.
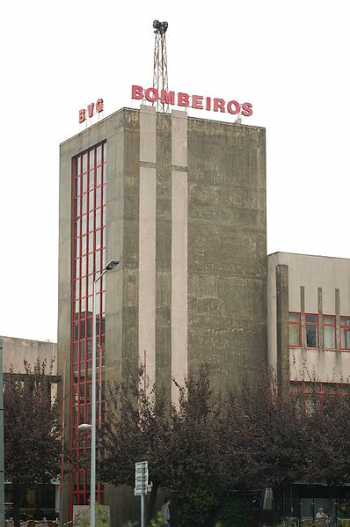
77 186
77 206
83 304
91 263
98 241
311 336
328 320
311 318
98 155
91 158
91 179
294 335
98 197
345 321
98 218
77 228
84 183
83 245
91 200
98 176
84 203
294 317
328 336
77 268
83 224
345 338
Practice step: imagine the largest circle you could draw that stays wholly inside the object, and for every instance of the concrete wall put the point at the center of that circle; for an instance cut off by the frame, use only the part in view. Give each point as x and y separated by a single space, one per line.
319 285
16 351
227 248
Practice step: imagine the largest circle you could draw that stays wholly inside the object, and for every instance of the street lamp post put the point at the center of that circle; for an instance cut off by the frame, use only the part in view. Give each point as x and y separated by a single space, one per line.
111 265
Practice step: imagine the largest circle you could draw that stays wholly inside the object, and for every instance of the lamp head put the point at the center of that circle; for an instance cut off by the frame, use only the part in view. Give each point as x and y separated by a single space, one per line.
84 427
112 264
160 27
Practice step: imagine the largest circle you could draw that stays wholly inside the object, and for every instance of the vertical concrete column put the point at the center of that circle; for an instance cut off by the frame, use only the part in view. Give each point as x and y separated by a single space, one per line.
2 479
64 296
337 318
320 321
282 300
302 315
163 255
179 249
147 242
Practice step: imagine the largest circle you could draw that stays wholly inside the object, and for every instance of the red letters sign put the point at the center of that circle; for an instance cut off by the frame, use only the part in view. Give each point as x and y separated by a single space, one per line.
193 101
98 107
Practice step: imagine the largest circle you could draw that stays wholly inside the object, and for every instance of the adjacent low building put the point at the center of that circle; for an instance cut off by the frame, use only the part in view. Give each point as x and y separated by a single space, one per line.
309 346
16 353
309 319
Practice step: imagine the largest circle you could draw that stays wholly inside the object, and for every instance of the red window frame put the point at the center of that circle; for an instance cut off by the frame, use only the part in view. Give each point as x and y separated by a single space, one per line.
295 323
344 326
327 325
312 324
88 260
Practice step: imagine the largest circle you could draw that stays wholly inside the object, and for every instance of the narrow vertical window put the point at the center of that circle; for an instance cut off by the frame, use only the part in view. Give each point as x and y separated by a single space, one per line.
345 333
88 257
294 329
329 332
311 330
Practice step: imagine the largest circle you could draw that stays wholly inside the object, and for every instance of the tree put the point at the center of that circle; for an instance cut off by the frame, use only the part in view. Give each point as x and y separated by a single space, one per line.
328 429
137 428
207 445
31 431
174 439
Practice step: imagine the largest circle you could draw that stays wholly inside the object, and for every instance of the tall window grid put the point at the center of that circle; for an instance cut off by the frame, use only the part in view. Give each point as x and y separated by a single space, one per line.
88 260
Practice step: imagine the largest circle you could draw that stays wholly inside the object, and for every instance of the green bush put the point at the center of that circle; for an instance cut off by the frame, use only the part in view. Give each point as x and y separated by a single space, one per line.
196 507
235 513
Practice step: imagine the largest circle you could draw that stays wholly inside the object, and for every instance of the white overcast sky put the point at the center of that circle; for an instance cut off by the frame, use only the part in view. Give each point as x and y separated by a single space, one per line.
289 58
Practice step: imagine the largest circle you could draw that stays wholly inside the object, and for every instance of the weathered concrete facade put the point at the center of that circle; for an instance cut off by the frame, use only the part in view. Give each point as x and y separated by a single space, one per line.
186 215
313 286
16 351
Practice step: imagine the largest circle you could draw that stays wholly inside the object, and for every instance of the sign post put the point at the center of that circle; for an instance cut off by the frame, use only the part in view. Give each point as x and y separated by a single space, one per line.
141 484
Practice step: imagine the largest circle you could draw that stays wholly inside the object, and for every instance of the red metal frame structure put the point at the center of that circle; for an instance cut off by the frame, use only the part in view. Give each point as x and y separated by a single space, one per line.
313 392
88 259
160 68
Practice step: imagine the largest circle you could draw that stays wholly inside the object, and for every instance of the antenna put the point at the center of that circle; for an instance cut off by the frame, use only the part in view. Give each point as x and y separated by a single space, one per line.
160 74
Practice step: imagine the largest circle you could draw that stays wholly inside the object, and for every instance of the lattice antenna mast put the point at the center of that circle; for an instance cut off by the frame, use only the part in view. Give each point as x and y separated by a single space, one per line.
160 74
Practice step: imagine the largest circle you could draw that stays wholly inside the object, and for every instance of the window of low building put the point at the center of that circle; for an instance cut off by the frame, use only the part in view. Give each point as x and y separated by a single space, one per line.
294 329
344 333
311 323
329 332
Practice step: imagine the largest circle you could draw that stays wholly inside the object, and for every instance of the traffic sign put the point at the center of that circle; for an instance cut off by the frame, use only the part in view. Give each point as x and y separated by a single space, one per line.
141 478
